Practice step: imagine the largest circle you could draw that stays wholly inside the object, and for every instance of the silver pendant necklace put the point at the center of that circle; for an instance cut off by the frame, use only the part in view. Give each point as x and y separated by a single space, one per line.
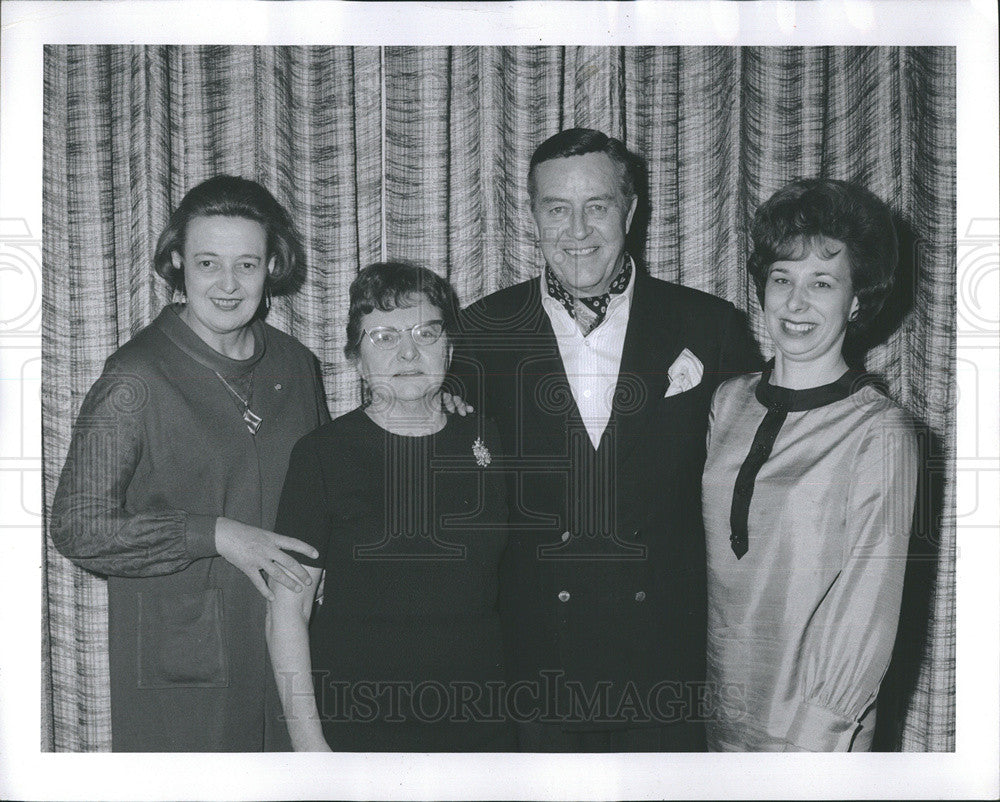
251 419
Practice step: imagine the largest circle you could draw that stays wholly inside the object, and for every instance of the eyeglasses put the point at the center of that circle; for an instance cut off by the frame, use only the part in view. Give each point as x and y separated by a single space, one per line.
387 338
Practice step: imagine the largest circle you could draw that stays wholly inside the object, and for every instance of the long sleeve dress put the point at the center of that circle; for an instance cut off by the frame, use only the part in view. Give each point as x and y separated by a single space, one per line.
406 647
159 451
808 499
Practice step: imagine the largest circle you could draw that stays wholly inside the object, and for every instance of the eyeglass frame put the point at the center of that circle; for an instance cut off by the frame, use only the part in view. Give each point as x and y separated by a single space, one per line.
400 332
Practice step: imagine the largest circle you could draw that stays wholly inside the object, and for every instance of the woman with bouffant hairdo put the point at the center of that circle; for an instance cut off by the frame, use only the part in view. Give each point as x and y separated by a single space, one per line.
808 489
171 483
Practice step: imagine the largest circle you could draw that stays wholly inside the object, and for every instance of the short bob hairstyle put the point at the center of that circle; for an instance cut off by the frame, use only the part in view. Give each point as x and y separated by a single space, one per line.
396 285
228 196
579 142
804 216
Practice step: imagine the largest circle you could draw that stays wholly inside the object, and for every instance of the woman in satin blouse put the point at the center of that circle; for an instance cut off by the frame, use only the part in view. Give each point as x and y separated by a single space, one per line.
808 489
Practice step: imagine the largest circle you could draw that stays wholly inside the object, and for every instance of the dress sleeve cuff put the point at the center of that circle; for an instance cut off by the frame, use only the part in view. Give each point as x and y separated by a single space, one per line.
820 730
200 536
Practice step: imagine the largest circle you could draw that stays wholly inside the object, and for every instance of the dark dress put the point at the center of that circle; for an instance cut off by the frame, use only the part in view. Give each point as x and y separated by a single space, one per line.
406 643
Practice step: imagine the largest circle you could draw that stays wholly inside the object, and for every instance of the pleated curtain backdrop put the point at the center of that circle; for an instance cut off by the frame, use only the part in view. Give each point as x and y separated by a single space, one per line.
421 154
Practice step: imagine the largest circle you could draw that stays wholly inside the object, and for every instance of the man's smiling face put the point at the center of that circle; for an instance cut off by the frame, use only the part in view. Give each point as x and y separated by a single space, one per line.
582 217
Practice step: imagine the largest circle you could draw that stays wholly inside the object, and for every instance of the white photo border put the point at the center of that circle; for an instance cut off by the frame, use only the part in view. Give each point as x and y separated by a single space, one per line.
971 772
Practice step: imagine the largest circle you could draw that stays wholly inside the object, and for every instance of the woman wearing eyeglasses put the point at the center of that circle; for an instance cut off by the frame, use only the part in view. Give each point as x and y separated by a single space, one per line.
407 509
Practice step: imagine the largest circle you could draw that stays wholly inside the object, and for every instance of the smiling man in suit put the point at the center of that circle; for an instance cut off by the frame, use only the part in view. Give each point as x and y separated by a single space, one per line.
600 379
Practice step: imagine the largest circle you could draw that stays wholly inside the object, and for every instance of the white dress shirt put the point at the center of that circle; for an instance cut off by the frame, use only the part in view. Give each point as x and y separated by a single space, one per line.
592 362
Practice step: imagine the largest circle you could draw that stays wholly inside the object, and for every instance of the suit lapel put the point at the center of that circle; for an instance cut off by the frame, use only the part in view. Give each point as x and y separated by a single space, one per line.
549 406
653 340
652 343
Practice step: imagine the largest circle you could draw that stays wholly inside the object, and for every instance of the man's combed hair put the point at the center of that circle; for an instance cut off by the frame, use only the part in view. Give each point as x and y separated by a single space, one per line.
579 142
396 285
804 216
230 196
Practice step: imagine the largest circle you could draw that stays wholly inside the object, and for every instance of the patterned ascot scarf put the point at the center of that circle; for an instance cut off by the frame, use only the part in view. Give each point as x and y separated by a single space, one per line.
588 312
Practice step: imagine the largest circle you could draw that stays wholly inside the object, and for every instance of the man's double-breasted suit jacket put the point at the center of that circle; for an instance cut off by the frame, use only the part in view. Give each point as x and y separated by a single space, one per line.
603 581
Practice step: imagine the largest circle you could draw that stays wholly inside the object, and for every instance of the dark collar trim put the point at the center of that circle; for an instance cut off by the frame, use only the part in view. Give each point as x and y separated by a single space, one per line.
782 398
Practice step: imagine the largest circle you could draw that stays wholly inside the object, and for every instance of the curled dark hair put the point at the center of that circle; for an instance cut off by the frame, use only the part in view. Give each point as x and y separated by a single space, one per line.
393 285
229 196
797 219
578 142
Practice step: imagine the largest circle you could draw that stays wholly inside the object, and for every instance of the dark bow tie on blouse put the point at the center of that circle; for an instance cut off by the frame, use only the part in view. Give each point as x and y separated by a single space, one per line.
779 402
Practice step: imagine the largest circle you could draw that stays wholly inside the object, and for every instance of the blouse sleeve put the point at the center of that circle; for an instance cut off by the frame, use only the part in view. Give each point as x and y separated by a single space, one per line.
89 523
847 648
711 416
302 510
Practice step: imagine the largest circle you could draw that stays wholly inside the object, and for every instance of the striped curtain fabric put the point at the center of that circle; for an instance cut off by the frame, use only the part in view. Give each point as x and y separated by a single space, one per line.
420 153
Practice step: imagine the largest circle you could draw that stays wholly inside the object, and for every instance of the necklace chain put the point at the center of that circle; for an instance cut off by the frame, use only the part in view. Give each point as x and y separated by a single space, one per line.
250 418
244 401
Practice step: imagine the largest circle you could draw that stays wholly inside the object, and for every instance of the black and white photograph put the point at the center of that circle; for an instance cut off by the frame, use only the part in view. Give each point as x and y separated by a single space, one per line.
517 412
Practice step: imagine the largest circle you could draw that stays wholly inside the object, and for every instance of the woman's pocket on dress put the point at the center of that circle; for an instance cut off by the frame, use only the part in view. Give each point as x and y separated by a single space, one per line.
181 641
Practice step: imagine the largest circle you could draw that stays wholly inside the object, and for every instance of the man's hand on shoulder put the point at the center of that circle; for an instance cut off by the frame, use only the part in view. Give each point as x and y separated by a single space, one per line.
455 404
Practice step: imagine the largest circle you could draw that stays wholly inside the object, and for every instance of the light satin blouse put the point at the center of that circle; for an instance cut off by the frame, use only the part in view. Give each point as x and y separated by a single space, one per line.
801 626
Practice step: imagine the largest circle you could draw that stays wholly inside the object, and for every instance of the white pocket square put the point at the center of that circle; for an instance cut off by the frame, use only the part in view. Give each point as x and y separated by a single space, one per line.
685 374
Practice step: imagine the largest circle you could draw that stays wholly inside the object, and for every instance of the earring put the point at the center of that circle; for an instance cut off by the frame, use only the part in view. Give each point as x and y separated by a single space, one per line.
178 297
851 318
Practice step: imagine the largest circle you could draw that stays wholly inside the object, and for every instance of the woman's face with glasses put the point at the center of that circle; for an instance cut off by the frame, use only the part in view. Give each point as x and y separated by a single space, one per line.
404 353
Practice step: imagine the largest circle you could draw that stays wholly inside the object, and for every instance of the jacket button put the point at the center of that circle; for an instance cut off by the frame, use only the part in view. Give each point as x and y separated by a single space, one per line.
565 536
563 596
640 596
